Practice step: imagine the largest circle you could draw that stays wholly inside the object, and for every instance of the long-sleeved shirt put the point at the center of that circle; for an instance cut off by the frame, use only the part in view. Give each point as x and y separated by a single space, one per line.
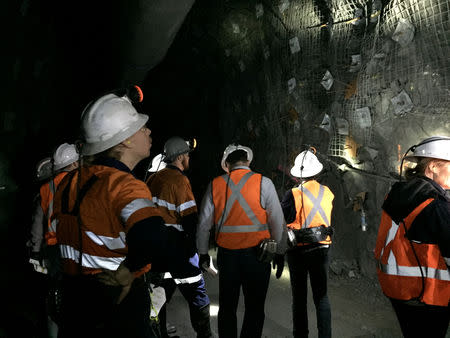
269 201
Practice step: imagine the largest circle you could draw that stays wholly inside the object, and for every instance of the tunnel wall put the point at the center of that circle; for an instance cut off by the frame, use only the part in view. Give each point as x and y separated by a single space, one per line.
361 81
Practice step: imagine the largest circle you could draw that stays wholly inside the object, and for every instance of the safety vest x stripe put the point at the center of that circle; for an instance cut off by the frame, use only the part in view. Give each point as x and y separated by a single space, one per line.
317 207
392 268
237 196
50 206
90 261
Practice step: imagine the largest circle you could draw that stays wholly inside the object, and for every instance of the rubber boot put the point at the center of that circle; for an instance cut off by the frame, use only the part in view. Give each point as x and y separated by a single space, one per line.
200 320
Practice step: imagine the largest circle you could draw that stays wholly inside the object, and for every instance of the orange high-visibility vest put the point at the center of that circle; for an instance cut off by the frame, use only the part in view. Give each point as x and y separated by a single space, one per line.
112 201
399 273
313 204
238 215
47 192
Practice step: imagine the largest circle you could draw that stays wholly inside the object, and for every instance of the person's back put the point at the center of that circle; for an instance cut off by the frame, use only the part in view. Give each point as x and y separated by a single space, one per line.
173 194
307 211
243 208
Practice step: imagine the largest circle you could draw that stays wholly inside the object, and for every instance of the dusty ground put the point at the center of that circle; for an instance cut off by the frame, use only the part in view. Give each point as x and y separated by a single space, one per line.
358 309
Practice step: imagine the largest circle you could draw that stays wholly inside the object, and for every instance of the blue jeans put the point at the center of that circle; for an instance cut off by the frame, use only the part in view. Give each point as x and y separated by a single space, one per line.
314 263
241 268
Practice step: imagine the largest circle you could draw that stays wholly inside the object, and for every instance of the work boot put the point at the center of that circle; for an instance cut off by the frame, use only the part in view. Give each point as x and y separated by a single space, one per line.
200 321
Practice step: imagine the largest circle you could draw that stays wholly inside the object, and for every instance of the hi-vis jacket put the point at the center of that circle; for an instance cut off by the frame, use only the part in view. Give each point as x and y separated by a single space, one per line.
47 192
109 202
243 222
172 192
411 269
315 202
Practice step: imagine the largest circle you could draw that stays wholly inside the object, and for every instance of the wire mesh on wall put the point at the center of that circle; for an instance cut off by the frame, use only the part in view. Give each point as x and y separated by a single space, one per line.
365 62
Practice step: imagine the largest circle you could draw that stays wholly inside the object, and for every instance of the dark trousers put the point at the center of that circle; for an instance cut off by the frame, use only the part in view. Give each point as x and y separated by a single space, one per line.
241 268
194 293
89 309
421 320
315 264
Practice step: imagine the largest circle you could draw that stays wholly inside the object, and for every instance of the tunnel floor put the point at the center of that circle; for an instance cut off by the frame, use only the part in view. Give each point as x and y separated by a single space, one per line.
358 309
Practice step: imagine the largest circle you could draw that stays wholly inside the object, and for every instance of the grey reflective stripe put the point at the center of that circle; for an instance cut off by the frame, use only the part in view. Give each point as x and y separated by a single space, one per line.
317 207
188 280
170 206
447 260
237 196
391 235
50 206
90 261
185 206
133 206
244 228
111 243
163 203
414 271
176 226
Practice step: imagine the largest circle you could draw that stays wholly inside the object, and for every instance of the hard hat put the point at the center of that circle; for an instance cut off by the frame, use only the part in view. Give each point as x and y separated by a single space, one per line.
108 121
175 146
44 169
64 155
157 163
232 148
306 165
435 147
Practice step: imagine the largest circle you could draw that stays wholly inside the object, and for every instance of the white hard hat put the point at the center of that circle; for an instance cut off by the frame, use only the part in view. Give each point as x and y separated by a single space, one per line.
435 147
232 148
108 121
306 165
64 155
44 169
157 163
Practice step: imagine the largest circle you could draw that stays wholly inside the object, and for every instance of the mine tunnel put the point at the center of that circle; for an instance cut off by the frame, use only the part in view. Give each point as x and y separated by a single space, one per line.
360 81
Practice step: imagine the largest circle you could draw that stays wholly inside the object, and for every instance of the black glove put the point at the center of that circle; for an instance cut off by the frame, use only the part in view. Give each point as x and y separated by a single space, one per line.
204 260
278 263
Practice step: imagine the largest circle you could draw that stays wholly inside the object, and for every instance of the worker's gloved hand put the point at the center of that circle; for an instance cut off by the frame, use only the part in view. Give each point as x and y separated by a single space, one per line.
121 277
38 263
203 262
278 263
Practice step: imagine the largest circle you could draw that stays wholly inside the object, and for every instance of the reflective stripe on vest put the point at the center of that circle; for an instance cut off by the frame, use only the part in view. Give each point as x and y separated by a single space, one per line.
47 193
189 280
399 273
134 206
52 223
111 243
90 261
170 206
237 196
179 227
